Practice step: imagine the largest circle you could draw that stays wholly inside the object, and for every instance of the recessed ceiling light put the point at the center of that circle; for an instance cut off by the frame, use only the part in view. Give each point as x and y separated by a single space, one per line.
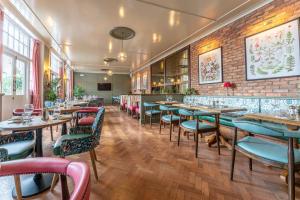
121 12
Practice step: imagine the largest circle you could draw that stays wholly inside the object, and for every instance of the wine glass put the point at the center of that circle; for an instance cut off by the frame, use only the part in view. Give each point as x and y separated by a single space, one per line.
56 113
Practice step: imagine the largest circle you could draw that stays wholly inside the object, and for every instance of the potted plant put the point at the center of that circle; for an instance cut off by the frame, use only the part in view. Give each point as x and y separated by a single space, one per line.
78 91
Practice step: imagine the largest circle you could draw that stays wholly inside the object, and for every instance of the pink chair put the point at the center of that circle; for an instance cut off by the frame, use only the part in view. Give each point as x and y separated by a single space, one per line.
78 171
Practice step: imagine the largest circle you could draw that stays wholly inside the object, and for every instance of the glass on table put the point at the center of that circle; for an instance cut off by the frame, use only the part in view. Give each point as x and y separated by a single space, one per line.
28 110
56 113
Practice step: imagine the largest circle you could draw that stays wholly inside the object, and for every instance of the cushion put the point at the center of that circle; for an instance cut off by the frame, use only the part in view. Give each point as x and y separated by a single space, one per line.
152 112
86 121
132 108
225 121
191 124
267 149
137 110
57 145
19 150
167 118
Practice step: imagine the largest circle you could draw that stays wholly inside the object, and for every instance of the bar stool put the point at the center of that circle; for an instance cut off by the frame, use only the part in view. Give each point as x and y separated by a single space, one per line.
150 111
197 127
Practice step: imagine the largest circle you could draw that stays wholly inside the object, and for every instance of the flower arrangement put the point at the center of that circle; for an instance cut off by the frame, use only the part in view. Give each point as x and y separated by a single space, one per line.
228 85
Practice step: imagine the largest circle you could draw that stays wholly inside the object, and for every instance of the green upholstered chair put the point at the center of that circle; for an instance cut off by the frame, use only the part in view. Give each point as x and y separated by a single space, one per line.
150 110
17 145
168 116
79 140
266 150
197 127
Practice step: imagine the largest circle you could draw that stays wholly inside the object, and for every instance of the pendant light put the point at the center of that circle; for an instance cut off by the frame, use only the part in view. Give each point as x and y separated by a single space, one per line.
122 56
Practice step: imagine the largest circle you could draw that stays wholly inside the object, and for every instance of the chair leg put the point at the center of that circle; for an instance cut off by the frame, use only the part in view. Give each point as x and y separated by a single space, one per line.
18 187
218 142
291 171
171 131
233 154
54 181
64 187
94 164
51 132
250 164
95 155
197 138
151 121
179 133
160 126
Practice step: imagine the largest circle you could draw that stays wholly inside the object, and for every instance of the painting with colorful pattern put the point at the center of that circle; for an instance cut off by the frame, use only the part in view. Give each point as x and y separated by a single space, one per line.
274 53
210 67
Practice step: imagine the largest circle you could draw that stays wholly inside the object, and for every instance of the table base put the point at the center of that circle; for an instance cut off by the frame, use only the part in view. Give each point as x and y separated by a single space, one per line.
34 184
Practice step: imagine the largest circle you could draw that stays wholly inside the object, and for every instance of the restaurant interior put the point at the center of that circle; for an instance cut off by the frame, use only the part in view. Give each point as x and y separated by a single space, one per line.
149 99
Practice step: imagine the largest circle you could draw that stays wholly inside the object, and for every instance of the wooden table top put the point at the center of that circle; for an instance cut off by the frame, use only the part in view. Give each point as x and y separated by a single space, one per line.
36 123
67 110
167 102
274 118
211 108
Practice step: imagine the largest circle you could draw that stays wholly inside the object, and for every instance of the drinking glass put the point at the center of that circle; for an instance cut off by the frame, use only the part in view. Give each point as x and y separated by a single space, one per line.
56 113
28 110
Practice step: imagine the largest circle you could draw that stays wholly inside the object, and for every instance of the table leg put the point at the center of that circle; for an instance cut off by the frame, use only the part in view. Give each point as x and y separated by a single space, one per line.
64 129
35 184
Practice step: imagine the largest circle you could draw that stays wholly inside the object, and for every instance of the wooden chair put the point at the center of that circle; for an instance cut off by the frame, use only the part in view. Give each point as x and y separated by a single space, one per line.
150 111
167 116
197 127
267 151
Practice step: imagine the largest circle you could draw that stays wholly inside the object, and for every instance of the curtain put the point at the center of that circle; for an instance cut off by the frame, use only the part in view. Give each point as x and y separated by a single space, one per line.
1 46
36 66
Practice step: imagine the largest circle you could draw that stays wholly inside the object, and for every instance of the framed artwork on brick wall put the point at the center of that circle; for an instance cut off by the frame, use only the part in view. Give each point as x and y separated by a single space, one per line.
210 67
273 53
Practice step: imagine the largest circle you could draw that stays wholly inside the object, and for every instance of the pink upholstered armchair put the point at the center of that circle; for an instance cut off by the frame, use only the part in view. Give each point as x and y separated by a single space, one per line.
78 171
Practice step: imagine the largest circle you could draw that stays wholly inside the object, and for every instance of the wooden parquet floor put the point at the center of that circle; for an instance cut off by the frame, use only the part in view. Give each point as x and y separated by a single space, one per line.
137 163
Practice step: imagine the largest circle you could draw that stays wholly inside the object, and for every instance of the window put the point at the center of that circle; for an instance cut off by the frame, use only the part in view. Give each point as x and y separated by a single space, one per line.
15 38
7 75
55 64
16 58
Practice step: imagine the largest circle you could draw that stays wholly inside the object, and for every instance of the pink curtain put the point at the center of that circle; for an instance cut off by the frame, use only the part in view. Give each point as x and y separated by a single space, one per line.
36 66
1 46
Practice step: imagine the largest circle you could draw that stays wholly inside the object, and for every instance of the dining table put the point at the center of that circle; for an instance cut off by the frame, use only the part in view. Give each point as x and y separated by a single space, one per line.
220 109
35 184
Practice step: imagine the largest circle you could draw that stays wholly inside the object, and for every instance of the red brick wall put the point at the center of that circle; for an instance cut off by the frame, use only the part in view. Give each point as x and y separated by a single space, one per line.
231 39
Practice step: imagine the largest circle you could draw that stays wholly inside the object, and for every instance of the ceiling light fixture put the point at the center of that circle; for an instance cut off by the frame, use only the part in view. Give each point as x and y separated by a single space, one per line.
122 33
122 55
109 73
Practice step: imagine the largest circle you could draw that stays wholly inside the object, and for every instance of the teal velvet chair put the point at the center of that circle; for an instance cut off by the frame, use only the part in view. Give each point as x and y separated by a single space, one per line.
150 110
17 145
168 116
79 140
197 127
266 150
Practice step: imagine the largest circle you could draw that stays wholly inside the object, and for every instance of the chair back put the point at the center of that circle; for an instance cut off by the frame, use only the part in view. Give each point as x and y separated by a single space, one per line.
78 171
185 112
257 127
163 108
148 105
98 123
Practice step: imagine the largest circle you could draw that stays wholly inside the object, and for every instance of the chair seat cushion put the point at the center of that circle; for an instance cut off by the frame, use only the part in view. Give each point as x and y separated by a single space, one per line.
192 125
132 108
57 145
152 112
224 120
267 149
19 150
86 121
137 110
167 118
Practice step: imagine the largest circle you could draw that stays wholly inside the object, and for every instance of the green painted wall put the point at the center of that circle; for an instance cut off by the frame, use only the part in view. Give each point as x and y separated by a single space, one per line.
120 84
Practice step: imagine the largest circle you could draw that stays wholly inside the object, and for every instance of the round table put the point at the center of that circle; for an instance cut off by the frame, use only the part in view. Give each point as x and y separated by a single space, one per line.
34 184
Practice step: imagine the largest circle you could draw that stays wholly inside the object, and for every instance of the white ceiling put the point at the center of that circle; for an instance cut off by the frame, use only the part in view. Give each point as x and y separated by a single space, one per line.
83 26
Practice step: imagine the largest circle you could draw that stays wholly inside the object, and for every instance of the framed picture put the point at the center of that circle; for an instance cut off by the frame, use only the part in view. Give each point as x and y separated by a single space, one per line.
273 53
210 67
